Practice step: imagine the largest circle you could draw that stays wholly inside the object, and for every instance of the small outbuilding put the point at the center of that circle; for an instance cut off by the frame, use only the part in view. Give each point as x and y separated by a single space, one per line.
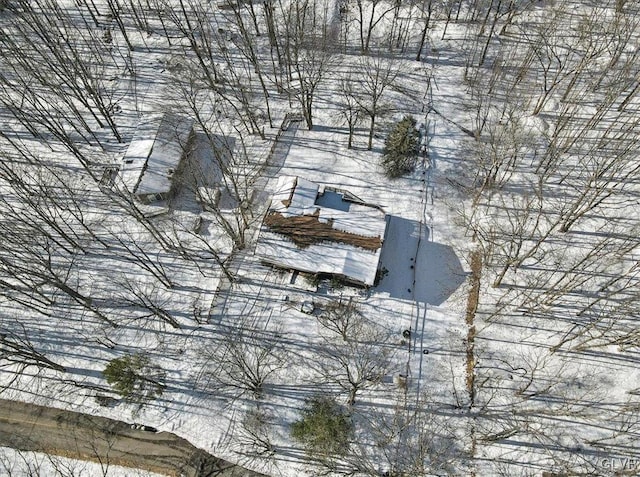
154 156
322 230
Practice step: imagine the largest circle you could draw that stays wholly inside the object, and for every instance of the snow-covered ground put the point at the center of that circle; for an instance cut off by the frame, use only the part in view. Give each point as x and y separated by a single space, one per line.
529 386
18 463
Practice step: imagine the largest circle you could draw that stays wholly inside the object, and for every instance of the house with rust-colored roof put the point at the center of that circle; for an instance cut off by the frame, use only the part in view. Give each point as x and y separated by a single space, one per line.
322 230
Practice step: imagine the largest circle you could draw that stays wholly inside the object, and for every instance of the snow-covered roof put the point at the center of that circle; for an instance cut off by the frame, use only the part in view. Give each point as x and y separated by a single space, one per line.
155 153
296 196
318 229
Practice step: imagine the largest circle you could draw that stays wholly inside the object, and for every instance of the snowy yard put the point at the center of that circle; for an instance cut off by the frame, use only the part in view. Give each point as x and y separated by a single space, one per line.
501 337
418 268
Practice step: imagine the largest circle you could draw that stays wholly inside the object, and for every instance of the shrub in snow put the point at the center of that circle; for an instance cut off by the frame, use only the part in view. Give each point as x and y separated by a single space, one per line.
401 148
134 378
337 283
324 429
312 280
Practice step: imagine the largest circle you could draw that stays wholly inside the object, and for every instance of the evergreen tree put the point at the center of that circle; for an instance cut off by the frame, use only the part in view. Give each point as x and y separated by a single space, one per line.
401 148
134 378
324 429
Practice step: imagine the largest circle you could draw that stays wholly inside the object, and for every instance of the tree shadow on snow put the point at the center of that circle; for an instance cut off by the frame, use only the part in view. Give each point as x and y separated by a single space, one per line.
417 268
200 170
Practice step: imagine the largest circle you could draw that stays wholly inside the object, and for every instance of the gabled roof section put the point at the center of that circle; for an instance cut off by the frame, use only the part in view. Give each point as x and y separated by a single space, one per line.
332 213
155 153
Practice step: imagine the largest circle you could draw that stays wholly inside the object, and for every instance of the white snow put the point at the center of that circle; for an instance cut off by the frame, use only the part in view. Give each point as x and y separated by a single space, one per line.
27 464
540 403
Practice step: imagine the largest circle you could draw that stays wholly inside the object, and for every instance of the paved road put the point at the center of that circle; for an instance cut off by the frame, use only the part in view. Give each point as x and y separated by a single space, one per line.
82 436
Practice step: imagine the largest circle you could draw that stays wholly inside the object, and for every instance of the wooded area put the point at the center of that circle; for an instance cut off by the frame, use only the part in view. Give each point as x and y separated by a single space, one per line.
527 137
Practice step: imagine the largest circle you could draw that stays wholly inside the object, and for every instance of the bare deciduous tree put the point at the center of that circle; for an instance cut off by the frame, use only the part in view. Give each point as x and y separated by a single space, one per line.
362 356
378 75
245 358
343 318
350 109
370 14
411 438
148 297
15 349
255 436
